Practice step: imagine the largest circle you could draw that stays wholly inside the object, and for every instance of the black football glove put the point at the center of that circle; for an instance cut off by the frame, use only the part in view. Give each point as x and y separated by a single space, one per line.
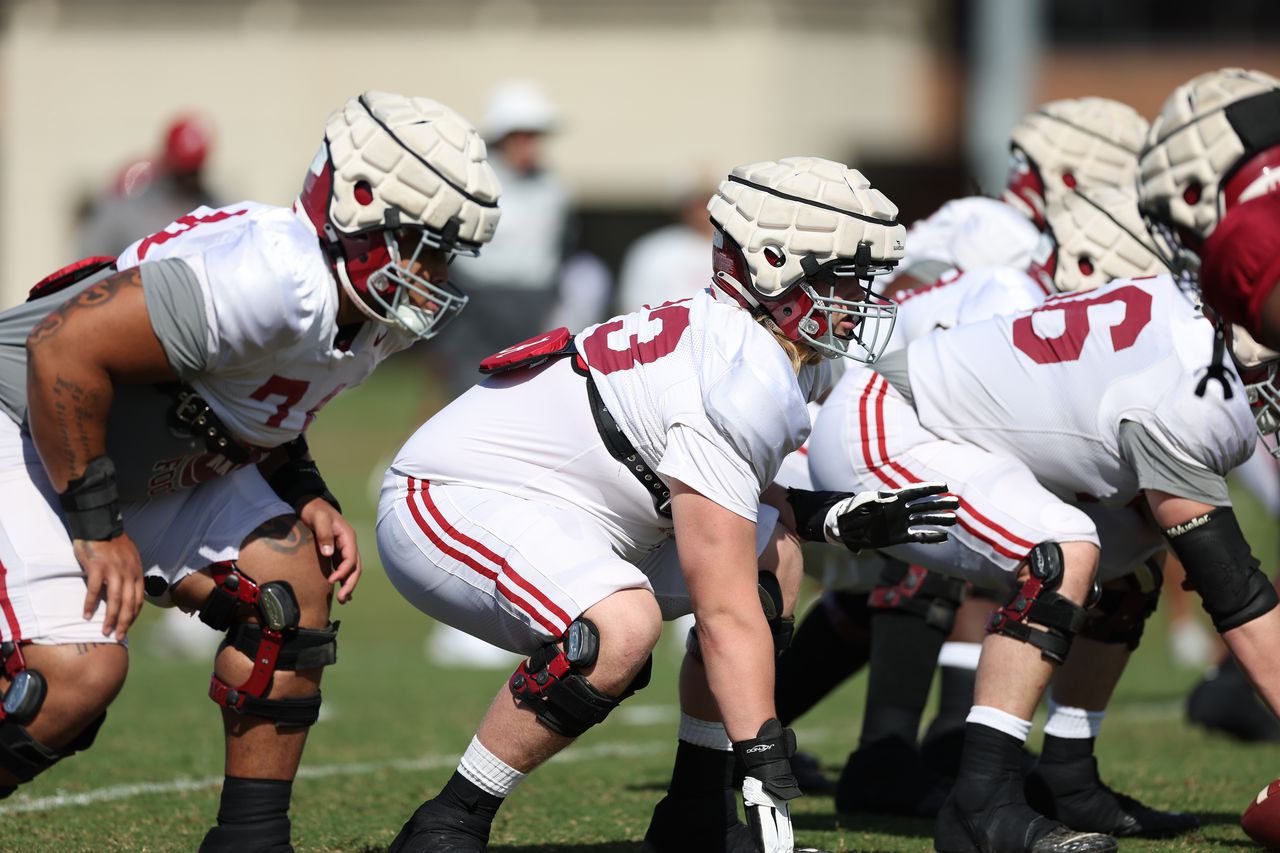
874 519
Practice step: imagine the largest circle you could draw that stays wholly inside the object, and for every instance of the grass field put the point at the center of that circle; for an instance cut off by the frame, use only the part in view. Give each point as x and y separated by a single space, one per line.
394 727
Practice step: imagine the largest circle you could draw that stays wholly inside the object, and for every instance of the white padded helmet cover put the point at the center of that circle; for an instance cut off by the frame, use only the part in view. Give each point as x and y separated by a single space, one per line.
418 156
1096 140
806 206
1191 143
1104 228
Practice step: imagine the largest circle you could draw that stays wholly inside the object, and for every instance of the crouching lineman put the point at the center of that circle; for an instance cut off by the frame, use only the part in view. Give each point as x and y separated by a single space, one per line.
1091 396
602 483
155 441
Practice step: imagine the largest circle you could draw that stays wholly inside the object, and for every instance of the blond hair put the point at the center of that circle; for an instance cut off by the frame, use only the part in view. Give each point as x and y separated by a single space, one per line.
797 353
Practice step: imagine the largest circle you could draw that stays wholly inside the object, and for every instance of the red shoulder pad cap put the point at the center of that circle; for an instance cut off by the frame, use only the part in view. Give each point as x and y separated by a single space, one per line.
1240 263
530 353
69 275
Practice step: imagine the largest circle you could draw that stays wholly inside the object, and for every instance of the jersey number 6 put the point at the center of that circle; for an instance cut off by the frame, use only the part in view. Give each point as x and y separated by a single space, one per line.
1070 344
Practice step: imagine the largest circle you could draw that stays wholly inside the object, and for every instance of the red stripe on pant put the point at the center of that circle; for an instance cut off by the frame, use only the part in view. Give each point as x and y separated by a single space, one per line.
881 447
15 630
502 570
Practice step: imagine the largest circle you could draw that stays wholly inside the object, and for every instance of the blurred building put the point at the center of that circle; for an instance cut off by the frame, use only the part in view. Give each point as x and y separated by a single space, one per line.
641 83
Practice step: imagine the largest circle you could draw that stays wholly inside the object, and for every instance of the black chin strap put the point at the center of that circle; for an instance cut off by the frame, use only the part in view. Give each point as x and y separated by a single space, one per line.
1217 370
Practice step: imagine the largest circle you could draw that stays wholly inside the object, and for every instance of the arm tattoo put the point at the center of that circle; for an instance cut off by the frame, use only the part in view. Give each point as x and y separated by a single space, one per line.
75 408
284 534
103 291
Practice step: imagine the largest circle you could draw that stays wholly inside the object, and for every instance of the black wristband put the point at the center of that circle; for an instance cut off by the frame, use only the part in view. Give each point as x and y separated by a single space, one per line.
767 757
91 503
298 479
811 509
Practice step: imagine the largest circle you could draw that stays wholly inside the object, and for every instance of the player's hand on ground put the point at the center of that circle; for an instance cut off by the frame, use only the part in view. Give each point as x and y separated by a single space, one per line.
769 785
336 545
113 571
894 516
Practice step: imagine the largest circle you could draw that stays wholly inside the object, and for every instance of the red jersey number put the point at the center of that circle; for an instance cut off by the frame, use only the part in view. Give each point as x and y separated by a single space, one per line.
660 332
1075 314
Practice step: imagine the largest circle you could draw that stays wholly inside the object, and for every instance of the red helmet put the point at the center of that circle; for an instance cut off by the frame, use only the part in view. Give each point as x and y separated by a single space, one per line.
186 144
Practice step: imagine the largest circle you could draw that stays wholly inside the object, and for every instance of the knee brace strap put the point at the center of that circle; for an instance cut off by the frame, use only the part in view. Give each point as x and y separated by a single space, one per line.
27 687
1219 563
304 648
278 615
25 757
1121 613
560 696
1036 601
917 590
782 628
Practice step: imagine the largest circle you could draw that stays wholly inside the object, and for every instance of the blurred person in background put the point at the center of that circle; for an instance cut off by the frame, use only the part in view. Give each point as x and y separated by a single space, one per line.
152 412
671 262
515 283
150 193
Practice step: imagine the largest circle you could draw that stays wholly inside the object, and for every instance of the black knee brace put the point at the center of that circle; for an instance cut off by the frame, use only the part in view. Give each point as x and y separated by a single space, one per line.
917 590
25 757
782 628
1225 573
1036 601
1122 612
276 642
551 684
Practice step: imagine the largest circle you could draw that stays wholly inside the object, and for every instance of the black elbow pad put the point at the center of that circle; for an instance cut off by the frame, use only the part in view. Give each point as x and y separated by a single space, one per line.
1214 552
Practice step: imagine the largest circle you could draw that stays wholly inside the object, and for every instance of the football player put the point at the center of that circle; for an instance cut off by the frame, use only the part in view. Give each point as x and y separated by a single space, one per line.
155 406
1209 175
604 482
1089 397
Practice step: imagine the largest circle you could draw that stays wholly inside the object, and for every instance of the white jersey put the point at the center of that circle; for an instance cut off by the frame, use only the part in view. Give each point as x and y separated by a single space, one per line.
963 297
970 233
270 360
701 390
1051 387
698 384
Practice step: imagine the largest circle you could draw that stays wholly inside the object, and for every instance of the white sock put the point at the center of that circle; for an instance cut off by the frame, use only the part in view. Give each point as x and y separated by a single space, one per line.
960 655
703 733
488 772
1068 722
1001 721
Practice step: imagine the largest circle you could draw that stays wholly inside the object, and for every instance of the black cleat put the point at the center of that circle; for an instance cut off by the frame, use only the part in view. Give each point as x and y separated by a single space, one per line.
808 772
1225 701
692 825
1073 793
887 777
990 816
437 828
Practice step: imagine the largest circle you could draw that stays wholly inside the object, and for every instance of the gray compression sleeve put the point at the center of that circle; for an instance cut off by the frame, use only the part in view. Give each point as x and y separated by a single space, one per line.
175 304
1157 468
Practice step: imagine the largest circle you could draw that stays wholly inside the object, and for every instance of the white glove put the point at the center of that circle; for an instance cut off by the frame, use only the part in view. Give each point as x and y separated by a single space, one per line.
769 818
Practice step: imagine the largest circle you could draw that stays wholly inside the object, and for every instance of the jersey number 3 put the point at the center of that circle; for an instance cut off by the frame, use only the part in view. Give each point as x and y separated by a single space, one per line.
658 335
1075 316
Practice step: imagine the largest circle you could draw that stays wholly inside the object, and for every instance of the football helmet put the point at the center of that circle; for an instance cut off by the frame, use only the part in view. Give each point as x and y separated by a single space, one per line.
1215 143
395 177
1091 238
789 233
1075 143
1259 369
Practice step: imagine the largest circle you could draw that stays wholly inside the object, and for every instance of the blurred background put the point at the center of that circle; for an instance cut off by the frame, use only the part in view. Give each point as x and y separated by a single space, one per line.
652 100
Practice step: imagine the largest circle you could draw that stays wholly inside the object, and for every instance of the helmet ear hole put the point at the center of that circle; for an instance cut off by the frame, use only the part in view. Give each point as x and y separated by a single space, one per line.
1191 195
1069 180
775 256
364 192
1085 265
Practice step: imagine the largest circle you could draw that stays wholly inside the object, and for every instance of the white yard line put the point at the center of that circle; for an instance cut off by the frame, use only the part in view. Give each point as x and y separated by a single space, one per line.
18 804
